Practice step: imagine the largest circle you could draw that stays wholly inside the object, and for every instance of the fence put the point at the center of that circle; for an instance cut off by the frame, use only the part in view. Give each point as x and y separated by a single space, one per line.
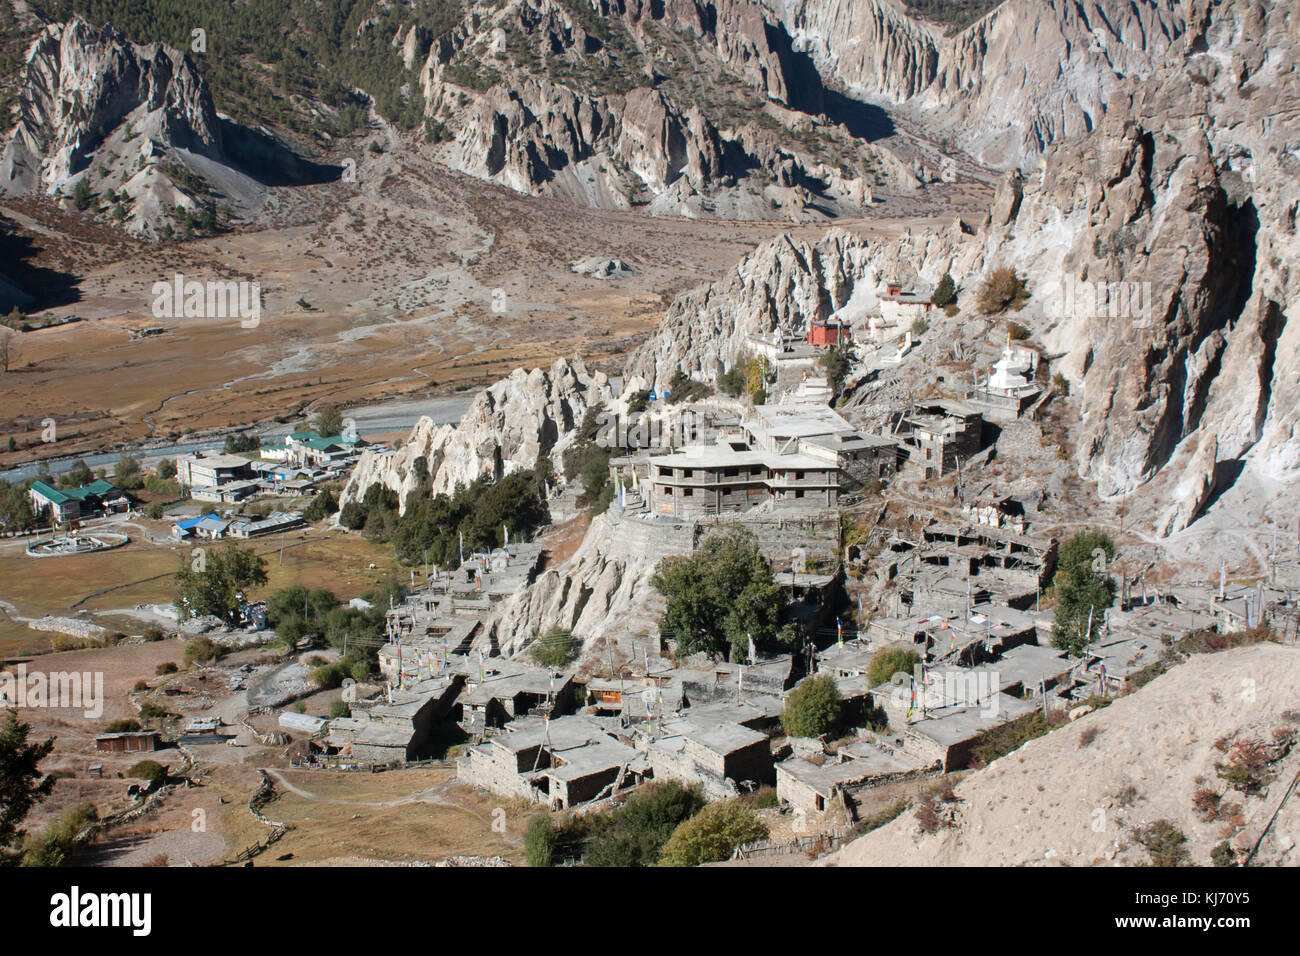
260 798
814 844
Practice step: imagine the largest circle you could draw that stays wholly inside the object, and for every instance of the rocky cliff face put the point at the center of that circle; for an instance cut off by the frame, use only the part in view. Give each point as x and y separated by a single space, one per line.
653 105
509 424
782 285
135 122
1187 193
1028 74
602 592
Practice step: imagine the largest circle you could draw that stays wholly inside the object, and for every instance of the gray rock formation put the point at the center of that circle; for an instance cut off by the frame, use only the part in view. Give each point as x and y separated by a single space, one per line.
782 285
531 98
135 122
599 267
602 591
1029 73
509 424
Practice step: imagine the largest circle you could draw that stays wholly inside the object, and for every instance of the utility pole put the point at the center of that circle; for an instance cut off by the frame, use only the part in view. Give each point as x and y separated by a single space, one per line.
1272 555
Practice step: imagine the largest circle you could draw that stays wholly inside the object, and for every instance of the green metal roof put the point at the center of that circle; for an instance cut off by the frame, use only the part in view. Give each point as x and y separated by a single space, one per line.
53 494
314 439
98 488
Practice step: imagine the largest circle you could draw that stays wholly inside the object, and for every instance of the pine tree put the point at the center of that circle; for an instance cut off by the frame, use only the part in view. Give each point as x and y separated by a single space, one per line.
22 785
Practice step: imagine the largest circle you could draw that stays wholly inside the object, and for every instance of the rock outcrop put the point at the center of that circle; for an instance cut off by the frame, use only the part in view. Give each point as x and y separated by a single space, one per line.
783 284
1184 198
508 426
1028 74
554 99
136 124
602 592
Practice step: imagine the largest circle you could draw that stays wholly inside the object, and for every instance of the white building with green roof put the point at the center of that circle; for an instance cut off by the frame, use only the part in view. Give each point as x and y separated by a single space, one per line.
83 501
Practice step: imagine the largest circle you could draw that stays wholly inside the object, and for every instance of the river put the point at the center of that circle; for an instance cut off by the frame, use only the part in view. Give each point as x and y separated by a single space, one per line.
368 419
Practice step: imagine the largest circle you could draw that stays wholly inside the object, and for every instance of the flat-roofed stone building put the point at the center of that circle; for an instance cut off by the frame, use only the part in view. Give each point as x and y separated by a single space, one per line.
709 480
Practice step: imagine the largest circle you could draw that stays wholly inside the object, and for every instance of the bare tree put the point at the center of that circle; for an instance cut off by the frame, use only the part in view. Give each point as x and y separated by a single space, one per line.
6 348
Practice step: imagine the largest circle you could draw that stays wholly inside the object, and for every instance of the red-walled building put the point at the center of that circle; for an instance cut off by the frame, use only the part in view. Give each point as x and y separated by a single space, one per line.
825 332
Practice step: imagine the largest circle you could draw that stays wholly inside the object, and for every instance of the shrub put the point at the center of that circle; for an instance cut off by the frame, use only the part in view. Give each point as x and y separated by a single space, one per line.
1165 842
683 388
1222 855
1002 289
1126 796
713 834
732 381
877 820
353 516
927 814
813 708
153 634
1206 803
56 843
890 661
340 708
539 842
151 711
203 651
81 193
122 727
1246 766
1017 332
167 667
552 649
322 506
328 676
639 829
835 363
945 293
639 402
1010 736
149 770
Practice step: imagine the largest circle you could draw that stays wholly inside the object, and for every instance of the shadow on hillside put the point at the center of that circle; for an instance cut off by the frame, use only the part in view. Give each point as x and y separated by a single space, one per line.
270 161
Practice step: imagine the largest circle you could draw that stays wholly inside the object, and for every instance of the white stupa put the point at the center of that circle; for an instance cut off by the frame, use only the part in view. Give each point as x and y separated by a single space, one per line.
1008 373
